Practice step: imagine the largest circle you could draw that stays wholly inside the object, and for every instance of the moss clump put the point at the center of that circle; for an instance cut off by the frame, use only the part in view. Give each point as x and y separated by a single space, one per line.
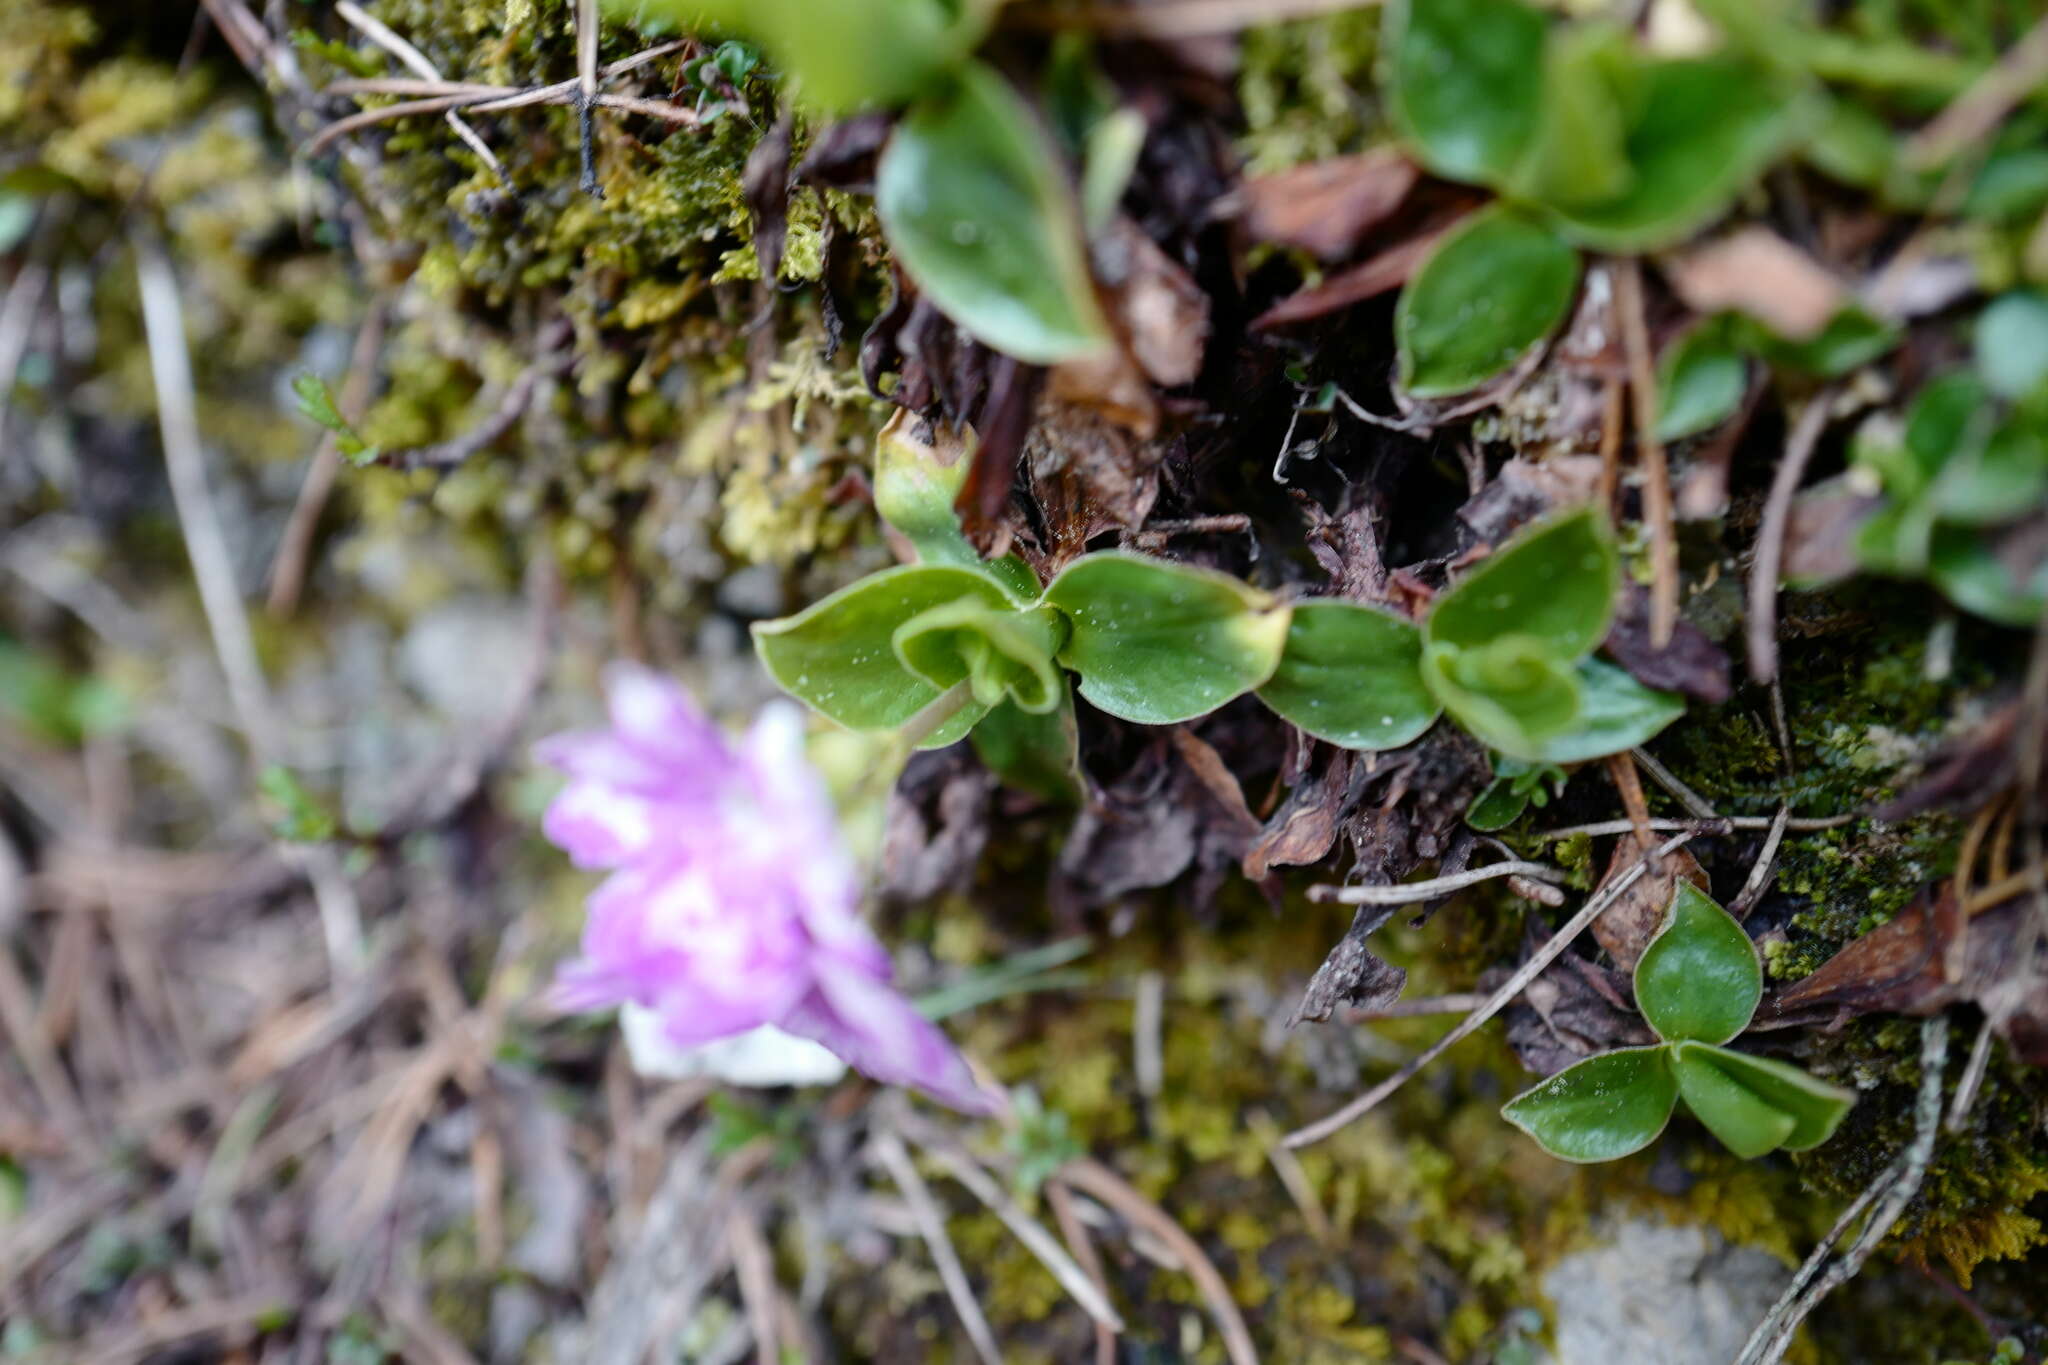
1982 1196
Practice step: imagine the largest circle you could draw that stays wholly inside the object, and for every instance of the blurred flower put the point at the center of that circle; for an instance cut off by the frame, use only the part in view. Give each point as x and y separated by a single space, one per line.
732 902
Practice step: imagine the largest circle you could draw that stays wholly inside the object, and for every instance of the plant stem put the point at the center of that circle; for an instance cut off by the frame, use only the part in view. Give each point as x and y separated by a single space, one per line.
935 713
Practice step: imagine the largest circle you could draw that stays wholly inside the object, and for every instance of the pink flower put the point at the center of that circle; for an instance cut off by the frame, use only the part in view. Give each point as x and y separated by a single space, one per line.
732 902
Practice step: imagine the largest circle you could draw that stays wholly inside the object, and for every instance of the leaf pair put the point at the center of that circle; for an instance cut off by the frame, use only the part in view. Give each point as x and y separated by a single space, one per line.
1698 985
1703 373
1589 142
1507 651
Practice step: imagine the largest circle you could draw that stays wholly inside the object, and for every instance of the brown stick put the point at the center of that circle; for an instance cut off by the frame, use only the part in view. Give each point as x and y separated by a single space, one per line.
1657 509
1770 536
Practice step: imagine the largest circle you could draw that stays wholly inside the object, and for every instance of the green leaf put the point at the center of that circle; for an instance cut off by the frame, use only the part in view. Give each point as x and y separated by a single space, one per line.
843 55
2011 189
839 657
1701 378
2012 343
2001 479
1700 978
1816 1107
1964 565
1465 82
1599 1109
1497 807
1747 1124
1495 287
317 403
1578 155
300 817
1158 643
1951 413
997 649
1556 580
978 212
1511 693
919 468
1852 338
1703 129
1812 1109
1615 713
1351 675
1034 753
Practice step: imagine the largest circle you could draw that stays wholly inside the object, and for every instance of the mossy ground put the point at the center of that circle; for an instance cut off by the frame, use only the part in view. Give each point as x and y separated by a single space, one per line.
667 467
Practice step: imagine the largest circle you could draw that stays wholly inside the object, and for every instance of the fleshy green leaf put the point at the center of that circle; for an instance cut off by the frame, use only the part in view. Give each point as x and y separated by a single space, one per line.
997 649
1034 753
1578 155
1511 693
1599 1109
919 467
1699 978
1497 807
1703 128
1615 713
1556 581
1951 412
1851 338
1999 480
1159 643
1815 1107
838 655
1351 675
1963 564
976 208
2012 343
1495 287
1701 378
843 55
1466 82
1747 1124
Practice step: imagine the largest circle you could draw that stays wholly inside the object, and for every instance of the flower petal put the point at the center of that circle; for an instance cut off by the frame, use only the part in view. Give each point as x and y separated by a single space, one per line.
879 1032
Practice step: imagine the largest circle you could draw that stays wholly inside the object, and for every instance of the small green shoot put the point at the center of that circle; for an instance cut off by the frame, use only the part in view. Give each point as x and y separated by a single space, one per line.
316 402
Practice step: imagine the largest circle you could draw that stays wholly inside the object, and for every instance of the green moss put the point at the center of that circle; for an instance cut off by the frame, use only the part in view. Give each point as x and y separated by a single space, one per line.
1307 89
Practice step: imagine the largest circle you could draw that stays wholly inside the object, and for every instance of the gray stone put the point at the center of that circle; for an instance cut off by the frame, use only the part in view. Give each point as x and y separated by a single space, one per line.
1652 1292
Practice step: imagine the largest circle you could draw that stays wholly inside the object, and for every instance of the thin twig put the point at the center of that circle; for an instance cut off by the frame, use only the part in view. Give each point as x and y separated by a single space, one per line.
1514 986
1061 1201
295 547
1770 536
1693 802
1408 893
1760 873
1657 508
1974 114
382 35
1887 1198
753 1266
1720 824
510 407
1096 1180
1040 1243
586 90
1973 1074
170 364
888 1149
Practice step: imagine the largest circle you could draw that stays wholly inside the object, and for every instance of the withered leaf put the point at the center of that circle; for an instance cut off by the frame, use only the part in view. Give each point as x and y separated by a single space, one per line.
1304 829
1755 271
1626 927
1326 207
1352 974
1691 663
1376 275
